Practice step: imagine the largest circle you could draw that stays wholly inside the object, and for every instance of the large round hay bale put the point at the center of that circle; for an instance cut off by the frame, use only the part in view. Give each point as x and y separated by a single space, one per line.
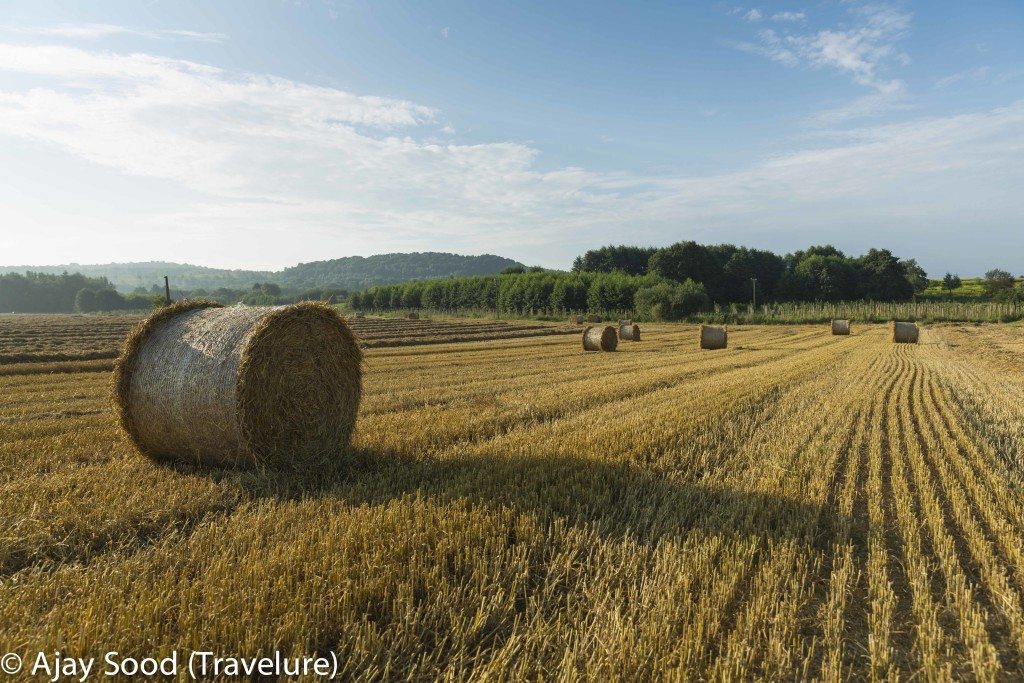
601 338
412 315
593 318
903 332
266 386
840 327
629 332
577 319
713 337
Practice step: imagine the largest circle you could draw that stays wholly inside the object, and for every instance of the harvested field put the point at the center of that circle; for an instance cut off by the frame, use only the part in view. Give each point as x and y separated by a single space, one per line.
522 509
60 339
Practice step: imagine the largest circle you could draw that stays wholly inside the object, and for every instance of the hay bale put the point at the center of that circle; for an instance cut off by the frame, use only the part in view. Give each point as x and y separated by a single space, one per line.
601 338
412 315
577 319
840 327
714 336
593 318
629 332
360 314
625 322
265 386
903 332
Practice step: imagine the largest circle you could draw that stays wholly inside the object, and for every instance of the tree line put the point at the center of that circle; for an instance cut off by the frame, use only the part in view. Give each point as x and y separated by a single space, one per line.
33 292
540 293
732 274
663 284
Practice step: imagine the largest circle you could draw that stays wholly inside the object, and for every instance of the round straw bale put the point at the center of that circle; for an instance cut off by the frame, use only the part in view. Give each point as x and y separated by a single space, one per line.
840 327
600 338
360 314
625 322
265 386
629 332
593 318
578 319
713 337
903 332
412 315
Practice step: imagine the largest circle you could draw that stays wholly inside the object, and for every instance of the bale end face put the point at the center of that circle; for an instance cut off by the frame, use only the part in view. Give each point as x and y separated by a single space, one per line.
629 332
840 327
713 337
267 386
903 332
600 339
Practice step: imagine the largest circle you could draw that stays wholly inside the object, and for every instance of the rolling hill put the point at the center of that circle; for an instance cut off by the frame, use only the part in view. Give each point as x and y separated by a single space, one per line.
352 272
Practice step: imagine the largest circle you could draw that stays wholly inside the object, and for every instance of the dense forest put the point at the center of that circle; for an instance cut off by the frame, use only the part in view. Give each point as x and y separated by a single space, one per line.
353 272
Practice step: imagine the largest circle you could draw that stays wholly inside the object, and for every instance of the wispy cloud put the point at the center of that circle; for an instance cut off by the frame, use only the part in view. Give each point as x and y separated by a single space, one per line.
866 50
101 31
979 74
445 32
275 163
789 16
753 15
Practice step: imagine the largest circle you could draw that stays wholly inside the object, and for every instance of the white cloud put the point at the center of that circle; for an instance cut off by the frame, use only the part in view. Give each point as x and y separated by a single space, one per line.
979 74
445 32
276 171
865 106
100 31
861 51
753 15
789 16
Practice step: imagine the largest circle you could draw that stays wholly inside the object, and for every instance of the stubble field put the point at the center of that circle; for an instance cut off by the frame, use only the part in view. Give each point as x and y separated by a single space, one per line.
796 506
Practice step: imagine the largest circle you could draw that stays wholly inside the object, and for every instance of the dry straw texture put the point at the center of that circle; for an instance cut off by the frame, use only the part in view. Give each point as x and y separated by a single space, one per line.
266 386
840 327
903 333
713 337
601 338
629 332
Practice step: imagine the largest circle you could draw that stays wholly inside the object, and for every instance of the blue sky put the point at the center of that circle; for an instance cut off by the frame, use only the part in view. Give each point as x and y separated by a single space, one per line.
244 134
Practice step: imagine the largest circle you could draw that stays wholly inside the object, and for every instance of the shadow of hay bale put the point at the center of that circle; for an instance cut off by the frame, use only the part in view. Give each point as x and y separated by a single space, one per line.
617 500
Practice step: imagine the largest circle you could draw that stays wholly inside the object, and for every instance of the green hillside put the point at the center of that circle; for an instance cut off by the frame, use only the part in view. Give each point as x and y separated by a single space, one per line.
353 272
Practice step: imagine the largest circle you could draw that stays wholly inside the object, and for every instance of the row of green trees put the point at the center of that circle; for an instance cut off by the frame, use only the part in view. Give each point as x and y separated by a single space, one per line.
33 292
541 293
730 274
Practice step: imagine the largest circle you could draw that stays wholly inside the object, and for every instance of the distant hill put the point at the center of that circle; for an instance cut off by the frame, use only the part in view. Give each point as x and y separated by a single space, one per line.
358 272
353 272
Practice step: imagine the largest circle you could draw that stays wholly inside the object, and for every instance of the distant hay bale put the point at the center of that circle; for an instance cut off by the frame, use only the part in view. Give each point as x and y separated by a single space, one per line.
713 337
903 332
578 319
840 327
265 386
601 338
629 332
360 314
593 318
412 315
625 322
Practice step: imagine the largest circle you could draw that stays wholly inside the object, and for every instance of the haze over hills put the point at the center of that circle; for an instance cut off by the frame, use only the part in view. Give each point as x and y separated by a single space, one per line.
351 272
